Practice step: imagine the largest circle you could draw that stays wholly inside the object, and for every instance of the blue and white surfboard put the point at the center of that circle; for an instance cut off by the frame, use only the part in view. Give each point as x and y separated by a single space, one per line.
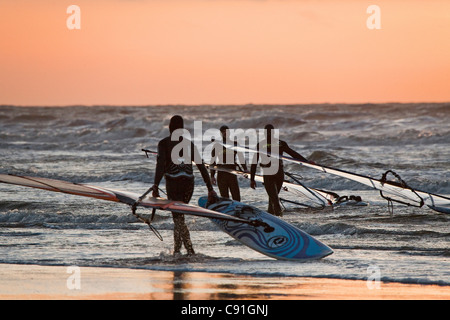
282 241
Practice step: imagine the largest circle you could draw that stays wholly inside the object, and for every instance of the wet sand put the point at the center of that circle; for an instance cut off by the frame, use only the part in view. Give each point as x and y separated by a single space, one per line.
60 282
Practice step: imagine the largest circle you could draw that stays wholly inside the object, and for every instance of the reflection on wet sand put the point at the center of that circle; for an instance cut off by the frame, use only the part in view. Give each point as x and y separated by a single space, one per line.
50 282
214 286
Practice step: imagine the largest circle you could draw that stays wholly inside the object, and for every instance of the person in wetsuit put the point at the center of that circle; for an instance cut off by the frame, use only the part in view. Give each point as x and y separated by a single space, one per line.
273 181
225 158
177 170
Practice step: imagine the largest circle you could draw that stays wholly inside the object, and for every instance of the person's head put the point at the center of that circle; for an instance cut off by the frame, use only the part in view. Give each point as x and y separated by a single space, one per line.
176 122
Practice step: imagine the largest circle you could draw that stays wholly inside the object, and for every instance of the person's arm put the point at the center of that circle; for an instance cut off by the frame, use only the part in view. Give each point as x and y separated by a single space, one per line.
201 167
293 153
160 167
160 163
253 165
212 164
212 195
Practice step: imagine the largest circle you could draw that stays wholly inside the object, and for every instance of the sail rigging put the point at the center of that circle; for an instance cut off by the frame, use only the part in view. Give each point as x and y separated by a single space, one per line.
409 195
107 194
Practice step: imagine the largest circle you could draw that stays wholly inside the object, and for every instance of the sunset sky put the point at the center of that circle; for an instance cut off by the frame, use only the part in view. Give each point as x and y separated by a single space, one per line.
146 52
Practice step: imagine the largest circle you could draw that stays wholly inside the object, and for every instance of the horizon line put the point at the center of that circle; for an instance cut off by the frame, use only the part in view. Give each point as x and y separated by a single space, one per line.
216 104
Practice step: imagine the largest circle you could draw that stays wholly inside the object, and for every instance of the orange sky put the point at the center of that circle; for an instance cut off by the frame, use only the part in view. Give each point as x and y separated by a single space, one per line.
141 52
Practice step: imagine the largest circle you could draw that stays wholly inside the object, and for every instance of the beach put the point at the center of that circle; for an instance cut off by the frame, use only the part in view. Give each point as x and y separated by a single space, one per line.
35 282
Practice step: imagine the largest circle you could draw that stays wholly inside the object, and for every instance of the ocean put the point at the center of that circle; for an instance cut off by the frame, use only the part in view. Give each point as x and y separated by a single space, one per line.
101 145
